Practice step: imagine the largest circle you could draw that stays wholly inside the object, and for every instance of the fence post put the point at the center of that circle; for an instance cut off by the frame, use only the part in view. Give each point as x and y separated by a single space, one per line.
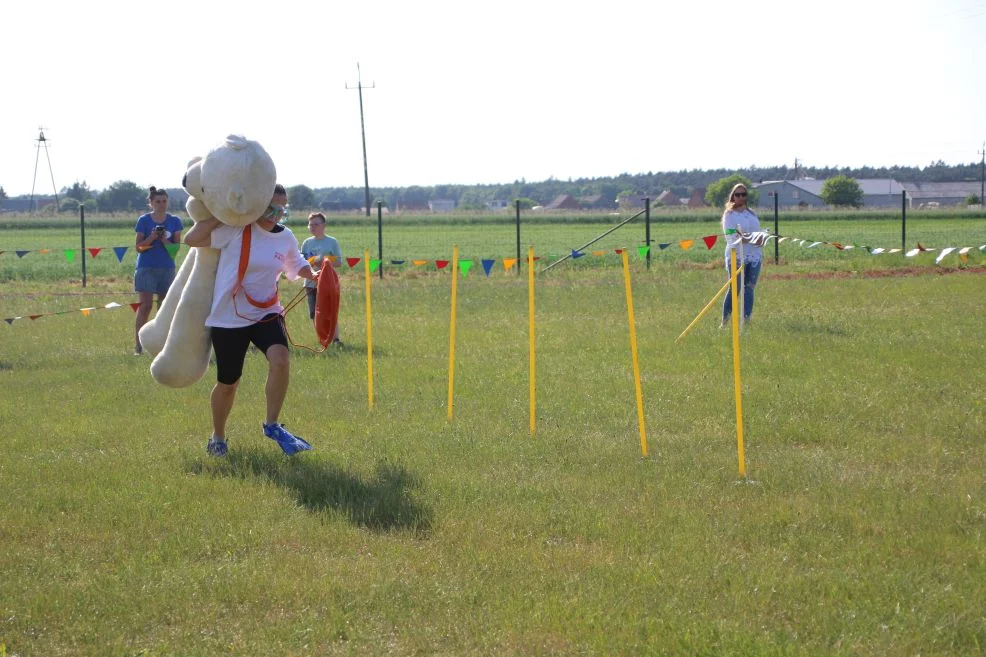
379 236
82 224
903 222
517 209
777 232
647 229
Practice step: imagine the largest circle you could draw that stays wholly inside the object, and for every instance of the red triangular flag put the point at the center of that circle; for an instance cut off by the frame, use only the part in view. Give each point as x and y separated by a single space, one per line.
441 264
710 240
135 306
352 262
95 252
34 316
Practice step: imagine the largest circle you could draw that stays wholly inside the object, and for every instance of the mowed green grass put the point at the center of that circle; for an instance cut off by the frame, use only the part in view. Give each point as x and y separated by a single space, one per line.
859 530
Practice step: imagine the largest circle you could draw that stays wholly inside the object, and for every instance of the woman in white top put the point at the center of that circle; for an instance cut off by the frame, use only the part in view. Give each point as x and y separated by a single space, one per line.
246 309
741 227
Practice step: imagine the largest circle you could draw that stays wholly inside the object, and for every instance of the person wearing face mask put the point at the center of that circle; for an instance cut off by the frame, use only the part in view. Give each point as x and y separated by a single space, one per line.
246 310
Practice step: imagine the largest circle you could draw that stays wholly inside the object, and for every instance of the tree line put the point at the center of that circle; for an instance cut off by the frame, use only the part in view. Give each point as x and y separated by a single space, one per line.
127 196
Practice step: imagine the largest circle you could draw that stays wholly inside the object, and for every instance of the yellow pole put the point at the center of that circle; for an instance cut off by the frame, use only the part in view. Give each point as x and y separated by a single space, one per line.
530 311
451 346
633 353
369 330
737 383
706 309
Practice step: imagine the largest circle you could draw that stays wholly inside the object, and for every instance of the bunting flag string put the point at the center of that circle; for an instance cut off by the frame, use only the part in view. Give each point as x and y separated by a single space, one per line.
94 251
643 251
85 312
962 252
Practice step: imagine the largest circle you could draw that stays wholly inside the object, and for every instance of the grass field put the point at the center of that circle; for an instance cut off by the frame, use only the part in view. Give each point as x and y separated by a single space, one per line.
859 531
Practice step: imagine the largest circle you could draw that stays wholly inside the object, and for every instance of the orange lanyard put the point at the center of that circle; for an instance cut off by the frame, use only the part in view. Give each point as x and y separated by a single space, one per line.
241 272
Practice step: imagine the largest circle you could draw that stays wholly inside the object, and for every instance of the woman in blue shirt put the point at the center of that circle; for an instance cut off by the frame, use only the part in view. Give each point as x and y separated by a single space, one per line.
155 266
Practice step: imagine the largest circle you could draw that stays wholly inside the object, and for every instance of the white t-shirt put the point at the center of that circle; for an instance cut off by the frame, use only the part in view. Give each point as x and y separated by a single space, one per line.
271 254
744 221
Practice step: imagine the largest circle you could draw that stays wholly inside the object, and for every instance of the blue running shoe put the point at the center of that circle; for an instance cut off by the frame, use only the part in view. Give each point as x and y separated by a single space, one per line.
290 444
217 446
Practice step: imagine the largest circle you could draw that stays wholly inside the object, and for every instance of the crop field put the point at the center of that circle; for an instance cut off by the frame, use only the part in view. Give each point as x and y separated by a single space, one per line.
858 530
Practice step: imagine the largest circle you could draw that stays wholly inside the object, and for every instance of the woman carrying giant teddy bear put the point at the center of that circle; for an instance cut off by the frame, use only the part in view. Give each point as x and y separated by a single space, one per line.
245 309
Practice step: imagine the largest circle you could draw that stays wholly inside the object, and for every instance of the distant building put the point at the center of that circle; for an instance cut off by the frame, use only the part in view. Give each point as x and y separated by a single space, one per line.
497 204
596 202
631 201
668 198
942 193
563 202
697 199
25 204
441 205
877 193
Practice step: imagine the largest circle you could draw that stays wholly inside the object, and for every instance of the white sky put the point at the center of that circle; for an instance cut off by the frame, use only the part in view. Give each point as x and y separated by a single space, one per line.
486 92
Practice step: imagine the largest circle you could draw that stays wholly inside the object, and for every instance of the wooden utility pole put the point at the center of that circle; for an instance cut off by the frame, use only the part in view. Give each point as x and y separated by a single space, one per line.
362 127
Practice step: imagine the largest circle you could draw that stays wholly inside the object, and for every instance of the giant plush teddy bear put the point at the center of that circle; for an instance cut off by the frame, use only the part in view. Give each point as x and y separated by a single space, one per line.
234 182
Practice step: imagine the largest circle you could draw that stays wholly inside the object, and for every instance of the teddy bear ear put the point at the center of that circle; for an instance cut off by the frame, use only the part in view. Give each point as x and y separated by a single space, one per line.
192 181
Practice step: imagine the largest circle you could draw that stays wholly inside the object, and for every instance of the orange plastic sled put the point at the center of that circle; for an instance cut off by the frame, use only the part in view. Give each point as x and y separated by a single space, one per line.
326 303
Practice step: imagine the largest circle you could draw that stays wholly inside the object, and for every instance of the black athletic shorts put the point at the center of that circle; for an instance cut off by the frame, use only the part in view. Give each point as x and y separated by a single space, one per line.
230 345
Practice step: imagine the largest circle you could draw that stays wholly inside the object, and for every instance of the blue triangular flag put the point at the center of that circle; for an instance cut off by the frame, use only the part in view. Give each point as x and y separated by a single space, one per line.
487 265
119 251
397 262
664 246
21 254
577 254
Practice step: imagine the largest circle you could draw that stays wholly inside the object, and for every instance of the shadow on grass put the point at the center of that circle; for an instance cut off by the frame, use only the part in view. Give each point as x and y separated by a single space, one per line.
380 503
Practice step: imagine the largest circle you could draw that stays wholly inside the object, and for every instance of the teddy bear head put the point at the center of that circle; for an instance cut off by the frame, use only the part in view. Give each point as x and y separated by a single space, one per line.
234 182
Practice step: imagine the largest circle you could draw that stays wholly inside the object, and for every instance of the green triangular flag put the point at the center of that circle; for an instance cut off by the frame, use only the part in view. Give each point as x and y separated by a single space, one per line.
70 255
374 264
465 266
642 250
730 231
172 249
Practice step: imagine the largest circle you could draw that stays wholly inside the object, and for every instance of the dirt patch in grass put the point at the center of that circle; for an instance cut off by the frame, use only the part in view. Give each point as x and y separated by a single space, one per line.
897 272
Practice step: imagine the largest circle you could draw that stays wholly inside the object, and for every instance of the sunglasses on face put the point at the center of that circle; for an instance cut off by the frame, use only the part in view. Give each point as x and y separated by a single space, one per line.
740 194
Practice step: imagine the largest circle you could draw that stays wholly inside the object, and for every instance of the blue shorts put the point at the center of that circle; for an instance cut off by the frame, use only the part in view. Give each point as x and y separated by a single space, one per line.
155 280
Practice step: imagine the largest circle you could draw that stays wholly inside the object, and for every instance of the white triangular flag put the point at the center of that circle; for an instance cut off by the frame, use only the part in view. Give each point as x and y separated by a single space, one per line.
944 252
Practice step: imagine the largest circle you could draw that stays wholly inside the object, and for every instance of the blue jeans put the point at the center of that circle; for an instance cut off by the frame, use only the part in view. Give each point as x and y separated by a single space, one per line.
750 274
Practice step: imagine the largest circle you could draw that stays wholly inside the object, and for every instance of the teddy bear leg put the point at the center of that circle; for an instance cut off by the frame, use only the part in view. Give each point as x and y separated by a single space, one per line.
185 356
154 333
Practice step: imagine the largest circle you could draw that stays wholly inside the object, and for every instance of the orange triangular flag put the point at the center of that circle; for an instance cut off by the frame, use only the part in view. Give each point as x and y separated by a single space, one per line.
85 311
508 263
36 316
44 250
418 263
686 244
598 253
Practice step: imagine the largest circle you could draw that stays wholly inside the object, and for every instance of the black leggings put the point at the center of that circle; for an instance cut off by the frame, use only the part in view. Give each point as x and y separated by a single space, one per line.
230 345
